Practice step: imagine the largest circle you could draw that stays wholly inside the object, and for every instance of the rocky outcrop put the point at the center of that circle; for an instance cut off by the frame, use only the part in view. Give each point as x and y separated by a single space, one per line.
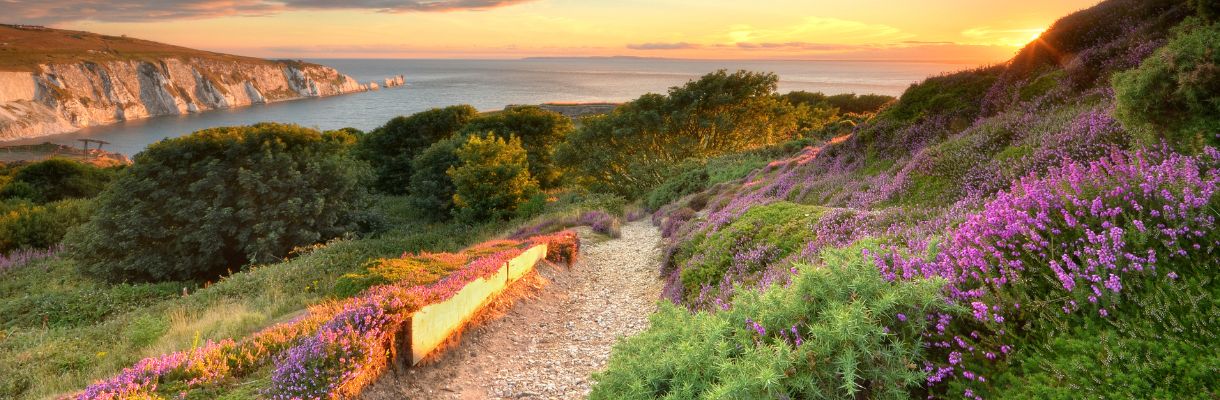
66 97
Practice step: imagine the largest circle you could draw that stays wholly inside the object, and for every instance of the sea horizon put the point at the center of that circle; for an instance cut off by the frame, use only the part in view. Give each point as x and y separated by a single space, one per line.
492 84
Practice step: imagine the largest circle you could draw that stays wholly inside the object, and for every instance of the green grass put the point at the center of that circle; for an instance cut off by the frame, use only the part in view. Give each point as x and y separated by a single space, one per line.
784 226
92 329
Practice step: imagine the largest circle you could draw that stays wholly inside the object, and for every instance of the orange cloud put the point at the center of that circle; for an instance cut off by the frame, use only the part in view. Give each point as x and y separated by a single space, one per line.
56 11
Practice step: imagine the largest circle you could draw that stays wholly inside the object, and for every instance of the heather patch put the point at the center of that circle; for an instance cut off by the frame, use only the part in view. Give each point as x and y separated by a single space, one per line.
335 349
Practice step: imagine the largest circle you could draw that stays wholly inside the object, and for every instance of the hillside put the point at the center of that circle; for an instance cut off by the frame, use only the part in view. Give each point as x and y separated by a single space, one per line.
24 48
1042 228
55 81
1050 203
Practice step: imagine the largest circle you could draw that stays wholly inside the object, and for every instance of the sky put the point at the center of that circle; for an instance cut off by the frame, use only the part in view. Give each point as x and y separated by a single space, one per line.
977 31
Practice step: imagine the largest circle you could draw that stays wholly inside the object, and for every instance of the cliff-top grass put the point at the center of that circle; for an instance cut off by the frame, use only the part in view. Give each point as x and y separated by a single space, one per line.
25 47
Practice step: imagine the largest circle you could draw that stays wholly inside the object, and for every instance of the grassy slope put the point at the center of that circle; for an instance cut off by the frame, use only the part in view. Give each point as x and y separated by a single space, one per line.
23 49
958 137
62 330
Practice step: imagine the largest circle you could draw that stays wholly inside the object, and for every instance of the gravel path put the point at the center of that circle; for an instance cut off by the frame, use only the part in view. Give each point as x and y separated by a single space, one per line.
560 330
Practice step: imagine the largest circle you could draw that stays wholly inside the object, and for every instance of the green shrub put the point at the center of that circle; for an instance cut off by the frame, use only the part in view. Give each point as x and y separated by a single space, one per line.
578 200
540 131
843 103
27 225
391 148
1107 364
1174 95
57 179
692 180
957 95
838 331
859 104
632 149
197 206
491 180
782 227
431 188
83 307
534 206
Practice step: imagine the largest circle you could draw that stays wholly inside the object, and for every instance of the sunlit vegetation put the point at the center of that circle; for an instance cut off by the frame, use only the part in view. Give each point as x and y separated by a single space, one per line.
1175 94
391 148
1058 202
1044 228
248 195
492 178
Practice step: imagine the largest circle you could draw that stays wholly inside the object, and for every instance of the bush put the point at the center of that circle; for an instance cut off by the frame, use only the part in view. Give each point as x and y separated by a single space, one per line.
57 179
630 150
431 188
196 206
744 251
491 180
838 331
29 226
391 148
957 96
540 131
681 184
846 103
1176 91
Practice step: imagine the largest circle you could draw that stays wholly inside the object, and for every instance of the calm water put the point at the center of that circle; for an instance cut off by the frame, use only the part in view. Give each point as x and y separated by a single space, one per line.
493 84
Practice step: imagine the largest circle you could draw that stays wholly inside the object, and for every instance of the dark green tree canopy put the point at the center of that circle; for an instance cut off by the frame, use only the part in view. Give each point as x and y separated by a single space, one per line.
540 131
197 206
390 148
57 179
431 189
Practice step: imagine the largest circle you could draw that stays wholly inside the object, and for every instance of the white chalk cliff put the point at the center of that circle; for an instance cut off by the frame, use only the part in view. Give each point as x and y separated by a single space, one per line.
66 97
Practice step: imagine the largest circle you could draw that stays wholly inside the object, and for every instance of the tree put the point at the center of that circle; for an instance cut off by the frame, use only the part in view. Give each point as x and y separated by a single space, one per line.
431 188
540 131
390 148
1174 95
629 151
57 179
491 179
197 206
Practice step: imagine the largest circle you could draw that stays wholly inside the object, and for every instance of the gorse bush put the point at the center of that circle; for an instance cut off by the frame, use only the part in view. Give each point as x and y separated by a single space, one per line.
1174 95
197 206
391 148
540 132
31 226
839 330
491 180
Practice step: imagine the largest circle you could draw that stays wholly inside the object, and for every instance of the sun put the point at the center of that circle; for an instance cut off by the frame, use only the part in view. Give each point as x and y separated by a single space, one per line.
1036 35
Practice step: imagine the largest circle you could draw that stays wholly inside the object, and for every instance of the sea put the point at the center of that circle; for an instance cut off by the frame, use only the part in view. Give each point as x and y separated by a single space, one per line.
493 84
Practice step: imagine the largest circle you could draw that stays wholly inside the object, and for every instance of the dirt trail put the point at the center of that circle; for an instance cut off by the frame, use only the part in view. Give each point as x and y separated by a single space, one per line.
547 343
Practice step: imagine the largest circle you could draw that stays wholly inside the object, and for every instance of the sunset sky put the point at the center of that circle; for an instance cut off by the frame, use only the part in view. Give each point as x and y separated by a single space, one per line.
956 30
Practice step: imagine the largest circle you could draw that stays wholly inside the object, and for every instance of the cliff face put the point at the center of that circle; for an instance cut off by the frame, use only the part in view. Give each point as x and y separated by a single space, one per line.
62 98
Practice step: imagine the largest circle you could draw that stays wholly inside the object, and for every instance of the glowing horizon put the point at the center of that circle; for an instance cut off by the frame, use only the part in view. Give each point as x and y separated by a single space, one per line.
935 30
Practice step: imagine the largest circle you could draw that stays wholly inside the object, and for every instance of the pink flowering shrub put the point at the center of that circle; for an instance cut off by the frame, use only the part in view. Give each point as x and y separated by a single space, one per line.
1084 239
600 221
336 349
